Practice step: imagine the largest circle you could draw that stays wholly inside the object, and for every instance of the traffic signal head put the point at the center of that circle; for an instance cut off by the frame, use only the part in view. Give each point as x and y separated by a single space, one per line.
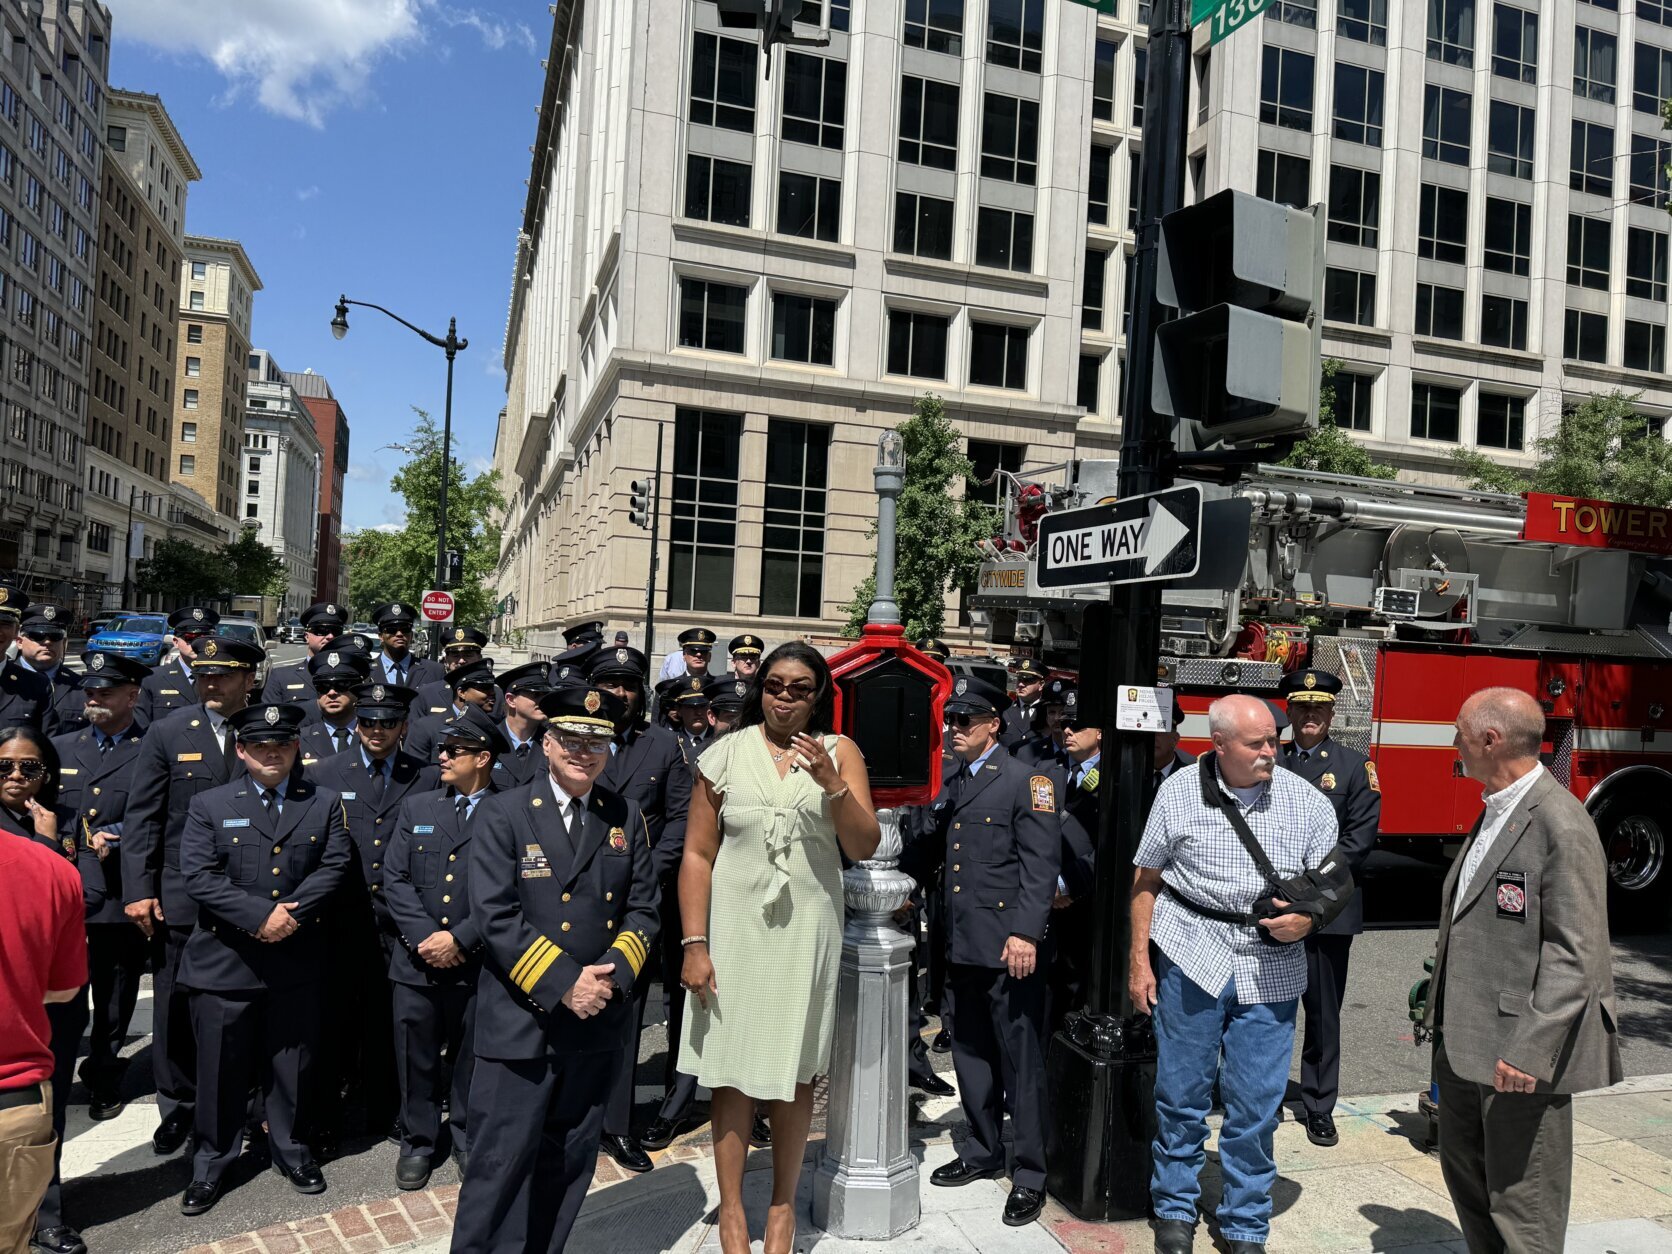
455 568
772 18
639 512
1241 361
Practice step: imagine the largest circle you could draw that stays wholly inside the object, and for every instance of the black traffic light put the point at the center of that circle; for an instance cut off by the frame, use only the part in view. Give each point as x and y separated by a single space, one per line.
1240 363
640 512
455 568
772 18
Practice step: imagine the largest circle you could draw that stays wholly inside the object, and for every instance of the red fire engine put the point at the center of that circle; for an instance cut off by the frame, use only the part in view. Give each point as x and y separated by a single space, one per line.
1416 597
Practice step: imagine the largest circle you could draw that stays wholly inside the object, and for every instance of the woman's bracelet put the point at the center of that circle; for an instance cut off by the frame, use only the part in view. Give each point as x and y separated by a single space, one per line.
837 796
692 940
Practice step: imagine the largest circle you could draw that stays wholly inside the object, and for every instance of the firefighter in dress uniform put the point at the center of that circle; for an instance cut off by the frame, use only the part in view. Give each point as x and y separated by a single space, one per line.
1044 746
169 686
40 648
523 725
394 665
261 857
1018 717
1073 929
725 695
330 726
461 647
469 686
183 754
435 964
292 683
1348 779
25 697
563 889
690 701
696 650
745 651
929 976
997 849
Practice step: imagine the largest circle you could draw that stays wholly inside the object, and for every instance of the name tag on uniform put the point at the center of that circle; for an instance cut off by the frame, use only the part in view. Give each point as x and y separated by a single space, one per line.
235 822
423 829
348 796
169 692
294 687
189 757
69 770
534 864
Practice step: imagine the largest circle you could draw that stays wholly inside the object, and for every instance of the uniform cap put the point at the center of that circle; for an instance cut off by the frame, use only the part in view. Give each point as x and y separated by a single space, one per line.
579 708
394 612
936 649
13 600
324 619
1029 671
222 653
1310 685
465 638
383 700
45 620
747 645
339 665
726 692
110 670
271 723
193 620
475 726
976 696
477 675
583 631
570 666
533 679
618 661
691 690
1057 691
697 638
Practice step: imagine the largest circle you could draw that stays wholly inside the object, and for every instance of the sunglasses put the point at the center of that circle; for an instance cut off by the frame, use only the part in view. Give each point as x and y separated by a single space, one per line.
584 745
453 751
963 722
381 724
344 689
790 692
28 768
395 629
44 637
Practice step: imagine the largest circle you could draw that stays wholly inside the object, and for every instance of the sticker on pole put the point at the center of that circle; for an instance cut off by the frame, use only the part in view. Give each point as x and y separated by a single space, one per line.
437 606
1136 540
1144 709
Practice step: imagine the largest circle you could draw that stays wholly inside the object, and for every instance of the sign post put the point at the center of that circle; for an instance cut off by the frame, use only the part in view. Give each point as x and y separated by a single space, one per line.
437 607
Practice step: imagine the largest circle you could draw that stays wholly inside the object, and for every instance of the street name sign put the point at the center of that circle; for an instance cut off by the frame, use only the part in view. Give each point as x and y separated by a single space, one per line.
1135 540
1225 16
437 606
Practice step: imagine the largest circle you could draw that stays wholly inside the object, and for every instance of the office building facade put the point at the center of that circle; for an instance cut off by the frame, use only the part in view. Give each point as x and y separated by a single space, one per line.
331 429
279 478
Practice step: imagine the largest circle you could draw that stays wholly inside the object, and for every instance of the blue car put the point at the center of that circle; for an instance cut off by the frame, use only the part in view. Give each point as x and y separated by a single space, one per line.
143 637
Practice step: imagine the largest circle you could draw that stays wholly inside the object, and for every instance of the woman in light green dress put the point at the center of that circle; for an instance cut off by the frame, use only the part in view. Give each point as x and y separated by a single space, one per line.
776 804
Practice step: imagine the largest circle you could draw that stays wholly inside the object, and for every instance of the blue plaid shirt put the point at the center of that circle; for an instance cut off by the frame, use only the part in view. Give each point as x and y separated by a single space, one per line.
1197 852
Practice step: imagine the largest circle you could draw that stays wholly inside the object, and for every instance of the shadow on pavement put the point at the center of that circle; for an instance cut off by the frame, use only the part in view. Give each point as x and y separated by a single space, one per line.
646 1214
1399 1228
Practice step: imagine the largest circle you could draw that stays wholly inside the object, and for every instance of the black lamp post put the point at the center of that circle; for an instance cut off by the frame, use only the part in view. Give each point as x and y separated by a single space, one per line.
452 345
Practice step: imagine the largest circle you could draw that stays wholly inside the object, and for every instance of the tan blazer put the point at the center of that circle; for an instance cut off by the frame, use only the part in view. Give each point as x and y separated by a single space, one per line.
1525 973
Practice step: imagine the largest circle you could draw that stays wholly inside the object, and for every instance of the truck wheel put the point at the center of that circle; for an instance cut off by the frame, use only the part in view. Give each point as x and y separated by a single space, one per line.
1635 840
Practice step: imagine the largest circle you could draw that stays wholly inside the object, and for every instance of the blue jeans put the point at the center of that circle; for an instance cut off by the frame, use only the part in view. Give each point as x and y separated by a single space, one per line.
1192 1027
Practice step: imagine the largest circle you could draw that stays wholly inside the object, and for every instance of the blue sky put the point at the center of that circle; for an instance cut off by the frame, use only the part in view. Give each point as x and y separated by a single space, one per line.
372 147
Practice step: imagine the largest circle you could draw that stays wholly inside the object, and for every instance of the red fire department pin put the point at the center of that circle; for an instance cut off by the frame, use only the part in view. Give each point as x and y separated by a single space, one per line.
1512 894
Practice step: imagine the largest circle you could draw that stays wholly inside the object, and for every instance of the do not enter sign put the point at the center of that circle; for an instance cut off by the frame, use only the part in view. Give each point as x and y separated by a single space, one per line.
437 606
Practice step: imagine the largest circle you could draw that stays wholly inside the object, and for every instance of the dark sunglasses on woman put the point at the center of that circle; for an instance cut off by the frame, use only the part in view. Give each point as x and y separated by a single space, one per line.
790 692
29 768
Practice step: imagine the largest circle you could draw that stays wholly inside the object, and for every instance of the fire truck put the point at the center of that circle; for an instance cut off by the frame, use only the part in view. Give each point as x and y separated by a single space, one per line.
1415 596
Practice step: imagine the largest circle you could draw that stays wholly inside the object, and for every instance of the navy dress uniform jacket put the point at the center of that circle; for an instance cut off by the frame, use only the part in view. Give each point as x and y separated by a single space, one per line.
1016 725
290 684
25 697
420 671
318 741
179 758
238 860
165 690
511 771
427 886
423 733
69 702
548 908
433 698
371 823
1348 779
95 789
63 844
650 771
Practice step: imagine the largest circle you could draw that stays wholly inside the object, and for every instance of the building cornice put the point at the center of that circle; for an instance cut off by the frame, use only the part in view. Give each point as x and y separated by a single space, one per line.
152 109
230 249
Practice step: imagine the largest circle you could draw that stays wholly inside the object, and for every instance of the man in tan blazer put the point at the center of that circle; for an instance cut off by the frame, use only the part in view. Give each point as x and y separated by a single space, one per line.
1523 989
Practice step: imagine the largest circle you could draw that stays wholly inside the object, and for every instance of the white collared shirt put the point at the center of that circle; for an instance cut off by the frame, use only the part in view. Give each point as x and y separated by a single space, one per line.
1499 806
564 801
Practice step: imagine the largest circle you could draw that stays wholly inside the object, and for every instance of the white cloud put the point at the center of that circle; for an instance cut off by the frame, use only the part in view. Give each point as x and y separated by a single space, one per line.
389 528
495 33
307 193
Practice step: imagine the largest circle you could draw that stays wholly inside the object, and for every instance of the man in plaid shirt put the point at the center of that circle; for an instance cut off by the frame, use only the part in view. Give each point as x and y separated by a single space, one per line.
1217 985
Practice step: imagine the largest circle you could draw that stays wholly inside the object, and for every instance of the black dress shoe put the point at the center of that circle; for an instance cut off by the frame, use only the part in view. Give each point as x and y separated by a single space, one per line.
627 1152
942 1042
760 1133
1023 1206
60 1240
662 1132
200 1195
106 1106
171 1133
412 1171
933 1085
1174 1236
307 1178
1320 1129
959 1172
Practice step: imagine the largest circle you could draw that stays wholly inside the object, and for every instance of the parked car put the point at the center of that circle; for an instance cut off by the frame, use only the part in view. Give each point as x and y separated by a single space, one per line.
291 632
142 637
245 629
362 629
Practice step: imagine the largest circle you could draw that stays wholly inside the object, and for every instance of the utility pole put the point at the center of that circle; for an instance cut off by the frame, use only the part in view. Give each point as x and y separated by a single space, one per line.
646 511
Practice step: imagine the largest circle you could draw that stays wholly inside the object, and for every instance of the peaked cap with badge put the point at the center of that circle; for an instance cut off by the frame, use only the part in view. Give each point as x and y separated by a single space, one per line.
380 700
193 620
618 662
746 645
111 670
394 614
936 649
1310 685
726 692
13 600
222 653
976 696
586 711
475 726
341 666
697 638
477 676
690 690
272 724
45 620
327 618
465 638
530 679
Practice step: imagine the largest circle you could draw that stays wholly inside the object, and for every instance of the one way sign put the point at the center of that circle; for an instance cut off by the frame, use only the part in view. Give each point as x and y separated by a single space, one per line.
1141 538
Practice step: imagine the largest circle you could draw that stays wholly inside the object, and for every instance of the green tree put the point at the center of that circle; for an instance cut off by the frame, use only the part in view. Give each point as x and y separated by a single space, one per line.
384 566
1601 448
179 573
253 569
935 531
1330 449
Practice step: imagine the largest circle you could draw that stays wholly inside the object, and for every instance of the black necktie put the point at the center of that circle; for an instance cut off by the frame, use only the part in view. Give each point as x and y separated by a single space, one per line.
106 744
268 798
380 780
342 739
229 747
522 750
461 807
1159 777
269 808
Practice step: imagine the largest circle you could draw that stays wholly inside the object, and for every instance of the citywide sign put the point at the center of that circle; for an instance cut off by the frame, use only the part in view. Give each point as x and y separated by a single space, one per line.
1586 523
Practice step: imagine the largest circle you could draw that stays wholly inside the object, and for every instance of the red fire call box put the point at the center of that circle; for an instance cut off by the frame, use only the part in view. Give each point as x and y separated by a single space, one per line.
889 698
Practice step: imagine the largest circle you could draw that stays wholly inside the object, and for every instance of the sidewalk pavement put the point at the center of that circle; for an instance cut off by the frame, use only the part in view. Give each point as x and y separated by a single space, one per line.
1378 1190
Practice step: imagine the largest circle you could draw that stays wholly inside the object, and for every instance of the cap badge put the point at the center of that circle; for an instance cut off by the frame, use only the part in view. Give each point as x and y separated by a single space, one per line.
740 689
197 616
4 593
961 687
333 659
564 673
621 656
50 613
377 692
1311 680
332 610
458 633
211 649
97 662
272 716
592 702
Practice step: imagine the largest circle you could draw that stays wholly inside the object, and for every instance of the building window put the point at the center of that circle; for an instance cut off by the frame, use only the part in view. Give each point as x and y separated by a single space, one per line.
1591 161
255 465
1514 43
1295 12
815 99
1134 184
803 329
808 206
1657 11
1286 88
1004 239
188 433
1645 346
1103 81
1587 256
1358 104
251 510
194 300
1445 125
1443 224
1434 412
1140 76
253 488
1350 296
1016 33
188 464
1595 57
929 123
194 333
1284 178
1097 207
1439 311
711 315
1509 236
1503 322
936 26
98 537
1645 263
1649 180
1500 421
1652 79
917 344
1010 139
716 190
998 356
841 13
194 367
923 226
1354 205
792 538
1363 20
1352 400
702 528
200 270
116 137
1088 392
723 77
1509 140
188 398
1091 308
1451 32
1585 336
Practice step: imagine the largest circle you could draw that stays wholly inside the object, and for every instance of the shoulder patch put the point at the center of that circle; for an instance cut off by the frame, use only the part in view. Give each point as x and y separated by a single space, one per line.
1042 794
1089 783
1370 775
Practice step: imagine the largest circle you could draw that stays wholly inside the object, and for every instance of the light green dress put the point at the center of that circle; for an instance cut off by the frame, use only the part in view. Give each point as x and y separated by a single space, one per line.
774 927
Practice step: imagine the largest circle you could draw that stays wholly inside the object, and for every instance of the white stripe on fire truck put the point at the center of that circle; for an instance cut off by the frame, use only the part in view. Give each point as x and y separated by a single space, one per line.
1394 735
1621 740
1388 734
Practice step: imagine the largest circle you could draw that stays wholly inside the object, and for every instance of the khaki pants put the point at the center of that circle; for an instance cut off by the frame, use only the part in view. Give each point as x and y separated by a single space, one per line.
26 1145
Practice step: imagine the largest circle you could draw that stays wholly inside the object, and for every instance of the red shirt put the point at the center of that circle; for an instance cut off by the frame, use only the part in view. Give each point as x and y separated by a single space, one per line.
43 946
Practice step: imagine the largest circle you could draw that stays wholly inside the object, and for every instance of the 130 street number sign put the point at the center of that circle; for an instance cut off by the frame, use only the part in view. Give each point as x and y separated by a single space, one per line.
1225 16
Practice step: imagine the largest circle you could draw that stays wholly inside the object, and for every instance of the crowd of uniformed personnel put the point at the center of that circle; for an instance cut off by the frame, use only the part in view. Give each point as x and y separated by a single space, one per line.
466 875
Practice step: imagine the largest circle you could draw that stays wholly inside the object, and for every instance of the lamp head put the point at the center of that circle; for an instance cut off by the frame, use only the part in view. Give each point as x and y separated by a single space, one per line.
339 324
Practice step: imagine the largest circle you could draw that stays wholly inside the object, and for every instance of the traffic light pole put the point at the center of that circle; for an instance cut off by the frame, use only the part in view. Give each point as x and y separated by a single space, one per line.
1102 1064
655 546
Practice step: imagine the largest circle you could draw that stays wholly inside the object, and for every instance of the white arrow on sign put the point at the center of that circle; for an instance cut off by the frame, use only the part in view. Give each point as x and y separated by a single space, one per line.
1162 533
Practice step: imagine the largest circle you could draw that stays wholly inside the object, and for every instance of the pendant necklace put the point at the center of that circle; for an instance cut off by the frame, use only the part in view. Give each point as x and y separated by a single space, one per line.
778 755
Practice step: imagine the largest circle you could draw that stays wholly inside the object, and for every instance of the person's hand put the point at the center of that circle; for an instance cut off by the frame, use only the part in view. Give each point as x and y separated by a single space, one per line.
1140 984
587 995
1287 927
46 822
811 757
1508 1079
101 843
1019 957
1061 901
440 950
697 973
140 914
280 923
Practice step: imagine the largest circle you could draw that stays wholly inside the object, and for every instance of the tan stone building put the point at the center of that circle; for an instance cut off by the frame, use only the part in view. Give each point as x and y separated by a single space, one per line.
217 293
